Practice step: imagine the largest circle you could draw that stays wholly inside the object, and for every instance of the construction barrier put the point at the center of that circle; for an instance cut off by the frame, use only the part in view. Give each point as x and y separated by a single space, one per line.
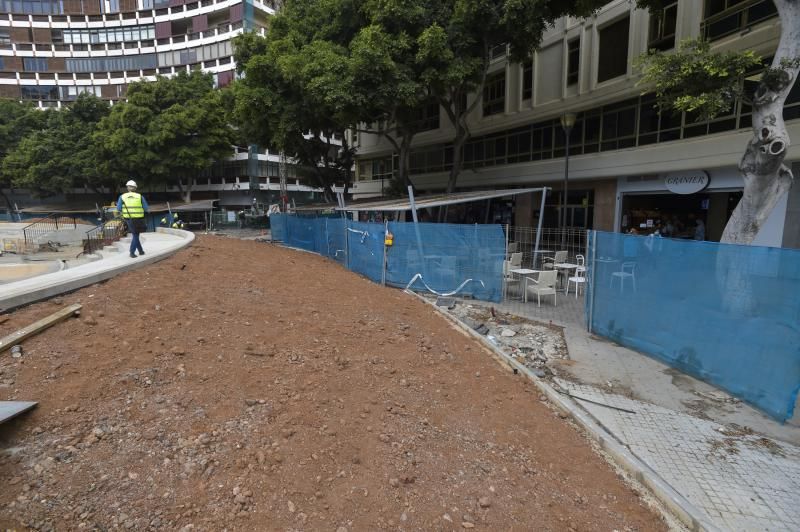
443 259
727 314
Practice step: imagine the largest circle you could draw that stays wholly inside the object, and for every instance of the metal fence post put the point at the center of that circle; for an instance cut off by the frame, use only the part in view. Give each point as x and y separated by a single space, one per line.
505 257
591 236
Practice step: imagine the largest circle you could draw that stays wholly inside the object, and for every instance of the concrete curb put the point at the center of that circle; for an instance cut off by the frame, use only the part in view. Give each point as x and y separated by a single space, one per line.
85 275
680 507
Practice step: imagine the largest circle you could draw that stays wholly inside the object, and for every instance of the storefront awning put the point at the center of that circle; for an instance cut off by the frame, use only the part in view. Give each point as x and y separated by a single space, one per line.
435 200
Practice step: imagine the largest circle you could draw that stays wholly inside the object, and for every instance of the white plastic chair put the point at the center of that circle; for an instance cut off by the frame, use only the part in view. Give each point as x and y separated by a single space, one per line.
560 257
509 278
578 278
581 262
516 260
626 271
543 285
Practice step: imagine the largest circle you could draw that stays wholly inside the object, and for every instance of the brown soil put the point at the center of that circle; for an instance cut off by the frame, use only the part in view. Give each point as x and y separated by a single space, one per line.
244 386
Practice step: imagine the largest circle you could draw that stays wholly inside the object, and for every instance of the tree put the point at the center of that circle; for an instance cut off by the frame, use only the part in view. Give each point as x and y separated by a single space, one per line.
272 108
168 131
59 155
695 79
330 66
16 121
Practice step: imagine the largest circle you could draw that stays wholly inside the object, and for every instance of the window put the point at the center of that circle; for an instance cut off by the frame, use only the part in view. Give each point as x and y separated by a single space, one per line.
2 64
429 117
72 92
498 50
32 7
573 61
34 64
108 35
661 35
494 93
613 60
5 37
527 80
106 64
39 92
724 17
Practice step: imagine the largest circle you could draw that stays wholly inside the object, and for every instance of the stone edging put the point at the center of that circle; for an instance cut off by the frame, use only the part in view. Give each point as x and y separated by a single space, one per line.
684 510
91 276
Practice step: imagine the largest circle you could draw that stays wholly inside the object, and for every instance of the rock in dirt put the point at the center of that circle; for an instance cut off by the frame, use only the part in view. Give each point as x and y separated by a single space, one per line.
508 333
484 502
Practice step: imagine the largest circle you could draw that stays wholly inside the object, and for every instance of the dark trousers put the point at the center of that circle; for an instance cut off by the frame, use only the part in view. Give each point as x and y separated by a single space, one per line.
135 242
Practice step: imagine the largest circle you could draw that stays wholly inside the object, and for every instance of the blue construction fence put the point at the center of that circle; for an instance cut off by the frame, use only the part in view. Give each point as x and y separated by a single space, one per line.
439 258
726 314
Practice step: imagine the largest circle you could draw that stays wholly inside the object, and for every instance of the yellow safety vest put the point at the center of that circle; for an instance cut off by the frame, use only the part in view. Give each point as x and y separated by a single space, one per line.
132 205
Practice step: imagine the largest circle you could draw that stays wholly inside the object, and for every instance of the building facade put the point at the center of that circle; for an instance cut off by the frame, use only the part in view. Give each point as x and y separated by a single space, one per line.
623 154
53 50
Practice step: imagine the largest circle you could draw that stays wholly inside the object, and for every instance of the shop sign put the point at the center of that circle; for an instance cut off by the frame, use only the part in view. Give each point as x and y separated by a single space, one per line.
686 182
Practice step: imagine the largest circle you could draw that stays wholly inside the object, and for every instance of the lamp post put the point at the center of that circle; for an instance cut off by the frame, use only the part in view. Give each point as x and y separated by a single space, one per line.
567 122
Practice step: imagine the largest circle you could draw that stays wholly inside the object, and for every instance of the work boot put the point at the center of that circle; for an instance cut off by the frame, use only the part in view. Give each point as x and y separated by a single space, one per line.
133 255
141 253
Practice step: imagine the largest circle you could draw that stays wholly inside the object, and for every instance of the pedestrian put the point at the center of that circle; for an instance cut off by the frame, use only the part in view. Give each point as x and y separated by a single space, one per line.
132 207
699 230
241 219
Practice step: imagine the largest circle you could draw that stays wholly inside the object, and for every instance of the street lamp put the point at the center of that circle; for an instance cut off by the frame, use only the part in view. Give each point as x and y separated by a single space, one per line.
567 122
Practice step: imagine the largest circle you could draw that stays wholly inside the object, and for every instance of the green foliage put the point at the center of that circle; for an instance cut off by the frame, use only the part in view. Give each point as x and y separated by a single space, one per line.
167 132
58 154
16 121
295 93
694 79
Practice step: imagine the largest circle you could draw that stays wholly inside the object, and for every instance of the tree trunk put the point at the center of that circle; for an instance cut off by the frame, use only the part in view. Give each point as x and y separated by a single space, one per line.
766 178
186 193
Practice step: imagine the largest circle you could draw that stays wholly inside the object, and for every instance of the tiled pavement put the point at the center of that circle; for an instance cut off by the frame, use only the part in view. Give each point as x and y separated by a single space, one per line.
741 479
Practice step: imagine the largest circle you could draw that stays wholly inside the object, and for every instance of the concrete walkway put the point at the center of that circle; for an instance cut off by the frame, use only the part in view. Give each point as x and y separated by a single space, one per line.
738 467
114 260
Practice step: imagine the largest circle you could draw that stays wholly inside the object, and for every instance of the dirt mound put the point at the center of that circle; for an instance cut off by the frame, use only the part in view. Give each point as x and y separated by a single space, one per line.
242 386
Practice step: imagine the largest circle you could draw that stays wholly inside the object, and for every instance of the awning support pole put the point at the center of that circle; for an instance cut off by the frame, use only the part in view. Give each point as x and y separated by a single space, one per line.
416 229
539 228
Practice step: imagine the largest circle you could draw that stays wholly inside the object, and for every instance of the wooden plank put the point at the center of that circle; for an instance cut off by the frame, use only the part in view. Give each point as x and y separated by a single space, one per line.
10 409
34 328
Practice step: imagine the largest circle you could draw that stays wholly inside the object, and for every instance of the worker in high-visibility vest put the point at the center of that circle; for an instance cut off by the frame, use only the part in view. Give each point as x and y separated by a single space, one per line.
132 207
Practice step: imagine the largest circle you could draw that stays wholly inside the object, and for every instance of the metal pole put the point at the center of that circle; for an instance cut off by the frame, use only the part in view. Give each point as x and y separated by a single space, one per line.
592 286
385 249
416 229
539 227
505 258
566 189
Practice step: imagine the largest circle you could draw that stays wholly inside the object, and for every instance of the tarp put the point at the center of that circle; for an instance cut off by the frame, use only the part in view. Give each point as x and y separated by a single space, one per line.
439 258
723 313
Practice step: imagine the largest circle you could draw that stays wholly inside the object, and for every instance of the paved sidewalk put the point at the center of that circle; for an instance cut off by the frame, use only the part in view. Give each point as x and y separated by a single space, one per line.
737 466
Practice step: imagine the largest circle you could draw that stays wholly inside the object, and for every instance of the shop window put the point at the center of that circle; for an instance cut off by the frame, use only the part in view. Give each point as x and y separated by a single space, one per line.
573 61
494 94
724 17
527 80
613 55
661 34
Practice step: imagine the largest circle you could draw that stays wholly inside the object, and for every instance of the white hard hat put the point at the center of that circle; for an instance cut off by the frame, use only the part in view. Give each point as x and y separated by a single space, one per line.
131 183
